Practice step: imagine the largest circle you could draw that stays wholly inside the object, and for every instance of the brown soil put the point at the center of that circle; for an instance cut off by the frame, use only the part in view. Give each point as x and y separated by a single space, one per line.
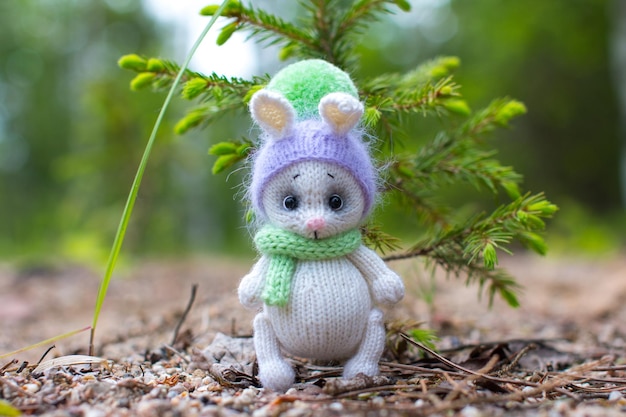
561 353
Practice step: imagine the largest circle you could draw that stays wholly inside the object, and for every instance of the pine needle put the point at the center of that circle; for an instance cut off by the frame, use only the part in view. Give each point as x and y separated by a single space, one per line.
45 342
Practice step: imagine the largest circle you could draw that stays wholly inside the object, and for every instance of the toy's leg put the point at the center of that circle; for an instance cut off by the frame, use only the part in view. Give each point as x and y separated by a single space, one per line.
366 359
274 372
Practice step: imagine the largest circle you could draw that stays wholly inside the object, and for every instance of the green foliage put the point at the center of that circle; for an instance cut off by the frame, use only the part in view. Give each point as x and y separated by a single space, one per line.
6 409
329 29
426 337
397 330
216 93
428 89
458 154
228 154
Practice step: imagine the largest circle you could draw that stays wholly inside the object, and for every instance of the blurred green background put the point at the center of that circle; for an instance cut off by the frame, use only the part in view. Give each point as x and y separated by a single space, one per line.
72 133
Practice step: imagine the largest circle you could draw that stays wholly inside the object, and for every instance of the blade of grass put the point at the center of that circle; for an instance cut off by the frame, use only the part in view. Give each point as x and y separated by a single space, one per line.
44 342
130 202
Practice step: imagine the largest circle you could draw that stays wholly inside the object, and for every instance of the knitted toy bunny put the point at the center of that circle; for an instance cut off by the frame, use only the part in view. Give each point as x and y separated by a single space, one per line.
313 184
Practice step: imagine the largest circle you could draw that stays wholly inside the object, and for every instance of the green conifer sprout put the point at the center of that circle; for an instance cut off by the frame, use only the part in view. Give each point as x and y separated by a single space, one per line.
226 33
223 148
155 65
142 80
133 62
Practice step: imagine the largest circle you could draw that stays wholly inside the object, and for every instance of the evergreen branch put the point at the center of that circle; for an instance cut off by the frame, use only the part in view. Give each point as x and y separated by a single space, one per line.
219 94
375 238
436 98
498 114
425 98
427 72
217 85
160 74
471 249
421 203
365 11
451 258
320 20
448 160
206 114
519 220
154 72
496 281
262 25
339 41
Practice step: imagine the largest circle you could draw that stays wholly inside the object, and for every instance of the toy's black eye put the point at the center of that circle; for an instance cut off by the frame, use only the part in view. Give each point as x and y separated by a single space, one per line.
290 203
335 202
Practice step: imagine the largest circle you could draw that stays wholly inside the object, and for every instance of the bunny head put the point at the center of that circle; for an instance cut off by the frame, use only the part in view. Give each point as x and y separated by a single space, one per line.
313 177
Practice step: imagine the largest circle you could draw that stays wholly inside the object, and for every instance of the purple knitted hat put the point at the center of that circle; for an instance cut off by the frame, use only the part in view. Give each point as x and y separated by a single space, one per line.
293 132
313 140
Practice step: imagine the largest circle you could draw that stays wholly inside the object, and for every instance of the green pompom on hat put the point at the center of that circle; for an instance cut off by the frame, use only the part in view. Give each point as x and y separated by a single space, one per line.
305 83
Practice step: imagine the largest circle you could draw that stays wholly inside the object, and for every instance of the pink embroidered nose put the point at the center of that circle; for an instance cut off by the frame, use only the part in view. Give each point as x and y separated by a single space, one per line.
315 224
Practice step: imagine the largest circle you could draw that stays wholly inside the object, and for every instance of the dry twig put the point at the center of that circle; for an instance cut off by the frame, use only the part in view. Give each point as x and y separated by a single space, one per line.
183 317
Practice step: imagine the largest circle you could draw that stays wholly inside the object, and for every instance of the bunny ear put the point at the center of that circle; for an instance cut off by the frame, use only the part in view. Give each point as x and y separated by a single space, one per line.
273 112
340 111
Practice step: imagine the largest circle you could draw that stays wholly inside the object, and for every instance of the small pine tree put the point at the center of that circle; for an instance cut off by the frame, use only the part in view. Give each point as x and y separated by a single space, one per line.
457 154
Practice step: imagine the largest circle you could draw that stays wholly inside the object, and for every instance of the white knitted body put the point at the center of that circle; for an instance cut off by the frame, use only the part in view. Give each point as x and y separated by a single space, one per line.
327 312
331 315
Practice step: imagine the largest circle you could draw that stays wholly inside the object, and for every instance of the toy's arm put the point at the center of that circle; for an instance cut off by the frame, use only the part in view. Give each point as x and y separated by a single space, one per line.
385 285
251 286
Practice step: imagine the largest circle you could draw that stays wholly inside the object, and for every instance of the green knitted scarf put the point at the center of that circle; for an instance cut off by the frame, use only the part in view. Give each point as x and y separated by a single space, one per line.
285 248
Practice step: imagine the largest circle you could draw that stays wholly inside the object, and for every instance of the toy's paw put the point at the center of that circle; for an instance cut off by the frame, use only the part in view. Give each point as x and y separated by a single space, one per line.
354 367
388 289
277 375
249 300
249 292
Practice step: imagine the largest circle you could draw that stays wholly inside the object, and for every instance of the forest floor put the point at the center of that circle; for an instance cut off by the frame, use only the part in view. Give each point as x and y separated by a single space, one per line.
562 353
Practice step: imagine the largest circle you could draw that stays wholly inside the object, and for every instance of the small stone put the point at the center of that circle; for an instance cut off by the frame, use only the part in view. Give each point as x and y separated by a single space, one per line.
261 412
151 408
149 377
299 411
470 411
615 396
336 406
378 401
93 412
562 406
123 403
242 401
227 401
199 373
31 388
158 392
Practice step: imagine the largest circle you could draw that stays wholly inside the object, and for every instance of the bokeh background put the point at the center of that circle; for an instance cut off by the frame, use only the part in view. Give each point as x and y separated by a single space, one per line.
72 132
